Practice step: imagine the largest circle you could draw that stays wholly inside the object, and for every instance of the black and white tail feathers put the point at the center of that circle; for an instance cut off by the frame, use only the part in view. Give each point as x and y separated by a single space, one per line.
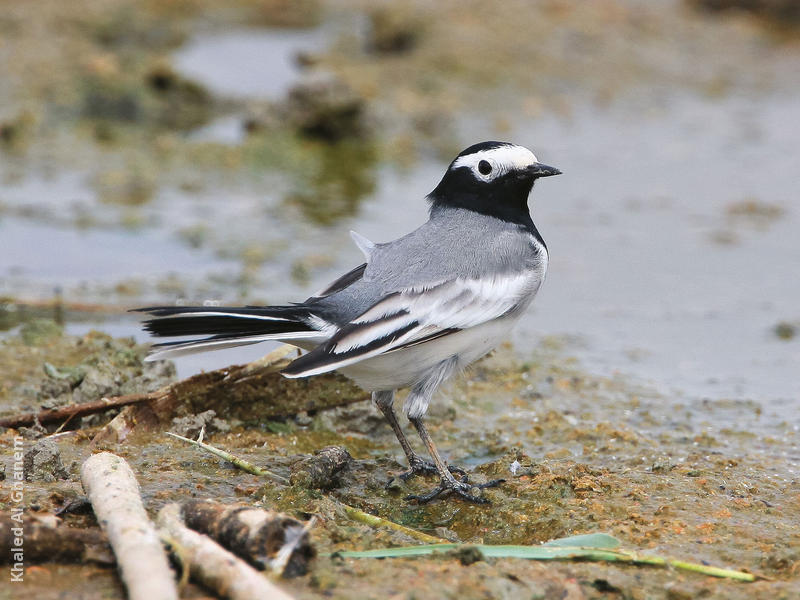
225 327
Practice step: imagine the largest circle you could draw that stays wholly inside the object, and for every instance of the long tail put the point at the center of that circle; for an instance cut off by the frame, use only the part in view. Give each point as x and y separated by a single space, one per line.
225 327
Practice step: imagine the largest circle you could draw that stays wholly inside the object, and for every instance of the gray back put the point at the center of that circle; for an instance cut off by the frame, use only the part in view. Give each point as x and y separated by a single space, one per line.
453 243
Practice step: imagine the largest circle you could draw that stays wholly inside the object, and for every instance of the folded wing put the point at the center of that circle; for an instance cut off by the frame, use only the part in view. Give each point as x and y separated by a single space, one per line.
414 315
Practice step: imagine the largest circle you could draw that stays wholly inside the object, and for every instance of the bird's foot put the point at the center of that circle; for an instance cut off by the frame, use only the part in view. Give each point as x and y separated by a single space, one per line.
464 489
419 466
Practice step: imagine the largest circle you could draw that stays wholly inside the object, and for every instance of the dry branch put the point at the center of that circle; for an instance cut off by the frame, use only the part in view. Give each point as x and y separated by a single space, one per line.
255 391
47 540
114 493
50 415
251 392
213 566
240 463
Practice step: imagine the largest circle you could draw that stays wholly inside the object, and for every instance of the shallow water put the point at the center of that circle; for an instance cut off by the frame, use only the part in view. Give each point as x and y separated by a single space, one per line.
248 63
637 273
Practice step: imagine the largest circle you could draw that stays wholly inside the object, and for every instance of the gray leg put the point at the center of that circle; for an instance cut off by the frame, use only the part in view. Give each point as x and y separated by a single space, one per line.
417 466
448 484
416 405
384 400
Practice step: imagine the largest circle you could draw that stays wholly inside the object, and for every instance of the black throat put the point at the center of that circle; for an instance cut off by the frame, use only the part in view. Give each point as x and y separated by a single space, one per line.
505 198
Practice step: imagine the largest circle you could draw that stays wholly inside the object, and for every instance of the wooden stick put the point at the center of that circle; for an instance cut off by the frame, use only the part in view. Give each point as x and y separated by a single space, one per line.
375 521
352 512
49 415
114 493
255 391
48 540
243 464
212 565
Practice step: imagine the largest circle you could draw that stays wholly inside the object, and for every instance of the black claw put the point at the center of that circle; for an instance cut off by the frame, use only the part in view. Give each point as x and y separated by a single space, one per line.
425 498
425 467
460 488
492 483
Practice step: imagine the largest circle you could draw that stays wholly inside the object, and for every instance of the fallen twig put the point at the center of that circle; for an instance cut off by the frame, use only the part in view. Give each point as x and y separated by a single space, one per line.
114 493
46 540
50 415
243 464
374 521
352 512
255 391
255 386
212 565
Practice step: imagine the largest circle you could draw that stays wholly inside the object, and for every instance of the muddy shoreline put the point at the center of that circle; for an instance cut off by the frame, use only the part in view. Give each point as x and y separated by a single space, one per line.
584 460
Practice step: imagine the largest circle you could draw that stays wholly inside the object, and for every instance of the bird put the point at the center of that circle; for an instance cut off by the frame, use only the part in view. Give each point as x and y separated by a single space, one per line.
416 312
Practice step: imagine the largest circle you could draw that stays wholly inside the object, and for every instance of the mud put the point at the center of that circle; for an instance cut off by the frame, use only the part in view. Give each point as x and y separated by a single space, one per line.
579 454
42 462
75 370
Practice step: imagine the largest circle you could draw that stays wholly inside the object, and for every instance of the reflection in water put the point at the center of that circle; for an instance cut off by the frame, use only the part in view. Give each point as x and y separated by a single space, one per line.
160 98
334 181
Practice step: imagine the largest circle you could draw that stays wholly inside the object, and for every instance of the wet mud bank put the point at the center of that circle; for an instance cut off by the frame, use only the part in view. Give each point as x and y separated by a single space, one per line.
580 454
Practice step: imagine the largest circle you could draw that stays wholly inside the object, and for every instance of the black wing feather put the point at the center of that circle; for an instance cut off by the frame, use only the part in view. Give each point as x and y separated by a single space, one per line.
343 282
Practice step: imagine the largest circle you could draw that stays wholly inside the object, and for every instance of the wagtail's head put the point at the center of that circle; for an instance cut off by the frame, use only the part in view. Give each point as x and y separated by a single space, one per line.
493 178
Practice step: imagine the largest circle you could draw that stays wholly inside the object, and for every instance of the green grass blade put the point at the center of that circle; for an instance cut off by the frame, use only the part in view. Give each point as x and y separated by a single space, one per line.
400 551
591 547
374 521
235 460
576 546
589 540
489 551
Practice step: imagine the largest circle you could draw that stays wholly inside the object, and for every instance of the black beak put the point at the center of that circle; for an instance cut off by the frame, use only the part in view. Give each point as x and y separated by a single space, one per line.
539 170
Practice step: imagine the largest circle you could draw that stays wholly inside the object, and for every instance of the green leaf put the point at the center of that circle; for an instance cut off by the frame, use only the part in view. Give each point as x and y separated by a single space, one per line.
594 547
531 552
568 547
576 546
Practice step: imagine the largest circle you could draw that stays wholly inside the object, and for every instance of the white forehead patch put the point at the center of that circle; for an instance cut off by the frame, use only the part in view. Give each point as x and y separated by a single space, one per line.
502 160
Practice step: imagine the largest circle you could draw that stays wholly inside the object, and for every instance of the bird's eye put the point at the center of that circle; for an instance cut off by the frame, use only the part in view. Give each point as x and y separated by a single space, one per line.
484 167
